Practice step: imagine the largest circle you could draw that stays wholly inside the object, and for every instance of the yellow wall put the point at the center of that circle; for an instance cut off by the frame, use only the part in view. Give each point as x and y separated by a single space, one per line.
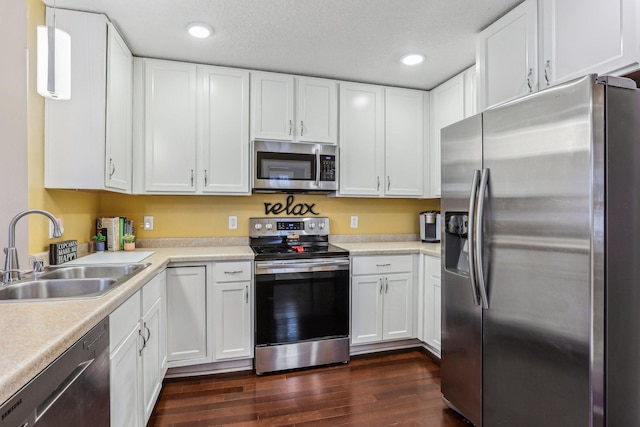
208 216
78 209
182 216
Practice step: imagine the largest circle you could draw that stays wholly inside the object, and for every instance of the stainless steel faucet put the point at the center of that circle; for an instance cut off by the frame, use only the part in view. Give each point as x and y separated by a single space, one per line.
11 264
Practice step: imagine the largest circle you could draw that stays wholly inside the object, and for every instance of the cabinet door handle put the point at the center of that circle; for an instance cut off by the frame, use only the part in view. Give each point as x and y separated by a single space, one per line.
388 183
144 342
301 128
383 265
381 286
386 285
192 177
205 177
529 84
246 294
233 272
547 69
290 127
378 188
112 168
148 333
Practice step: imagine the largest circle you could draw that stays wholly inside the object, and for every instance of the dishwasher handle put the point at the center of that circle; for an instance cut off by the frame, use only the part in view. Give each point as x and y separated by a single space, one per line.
66 384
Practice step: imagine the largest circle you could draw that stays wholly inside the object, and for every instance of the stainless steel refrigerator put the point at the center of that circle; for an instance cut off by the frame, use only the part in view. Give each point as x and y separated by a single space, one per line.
541 259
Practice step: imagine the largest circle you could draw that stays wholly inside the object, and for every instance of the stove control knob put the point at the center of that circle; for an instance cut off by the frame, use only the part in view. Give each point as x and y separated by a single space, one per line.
312 225
258 226
268 226
321 225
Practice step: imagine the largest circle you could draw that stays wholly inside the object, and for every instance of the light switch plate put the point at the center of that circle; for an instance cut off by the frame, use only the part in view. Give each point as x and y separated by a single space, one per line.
354 222
233 222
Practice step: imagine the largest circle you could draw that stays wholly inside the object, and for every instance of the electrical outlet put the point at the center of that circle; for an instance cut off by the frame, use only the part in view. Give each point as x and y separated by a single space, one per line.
233 223
354 222
148 223
60 224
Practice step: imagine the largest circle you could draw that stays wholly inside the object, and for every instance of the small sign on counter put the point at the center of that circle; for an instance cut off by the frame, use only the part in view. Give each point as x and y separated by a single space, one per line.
61 252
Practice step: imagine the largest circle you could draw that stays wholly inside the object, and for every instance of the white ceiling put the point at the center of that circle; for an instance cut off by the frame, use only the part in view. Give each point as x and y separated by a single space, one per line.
357 40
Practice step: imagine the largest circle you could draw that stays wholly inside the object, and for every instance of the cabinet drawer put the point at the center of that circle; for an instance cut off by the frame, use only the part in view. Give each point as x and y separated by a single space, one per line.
232 271
123 319
381 264
151 292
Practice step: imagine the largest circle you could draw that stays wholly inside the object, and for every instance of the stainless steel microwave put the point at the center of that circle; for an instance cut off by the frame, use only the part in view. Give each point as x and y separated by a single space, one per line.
280 166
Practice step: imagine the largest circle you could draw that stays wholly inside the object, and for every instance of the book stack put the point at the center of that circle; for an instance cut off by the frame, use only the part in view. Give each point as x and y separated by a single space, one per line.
113 228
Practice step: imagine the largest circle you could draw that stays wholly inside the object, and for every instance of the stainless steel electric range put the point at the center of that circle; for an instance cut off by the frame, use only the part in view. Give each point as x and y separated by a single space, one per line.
302 294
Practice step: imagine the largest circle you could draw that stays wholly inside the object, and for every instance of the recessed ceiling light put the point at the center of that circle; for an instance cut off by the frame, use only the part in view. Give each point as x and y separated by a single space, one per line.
412 59
199 30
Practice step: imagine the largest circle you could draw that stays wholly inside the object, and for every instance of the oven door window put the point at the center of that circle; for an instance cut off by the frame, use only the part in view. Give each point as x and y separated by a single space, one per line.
295 307
286 166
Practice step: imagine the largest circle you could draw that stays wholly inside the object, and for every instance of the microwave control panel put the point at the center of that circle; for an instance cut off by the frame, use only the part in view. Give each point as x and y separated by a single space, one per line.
327 168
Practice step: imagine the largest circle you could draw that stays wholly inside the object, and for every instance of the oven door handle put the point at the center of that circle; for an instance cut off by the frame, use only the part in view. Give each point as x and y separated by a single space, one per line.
298 266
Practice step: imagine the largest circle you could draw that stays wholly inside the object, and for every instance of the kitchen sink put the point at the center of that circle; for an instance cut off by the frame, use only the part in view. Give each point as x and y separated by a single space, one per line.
47 289
72 282
91 271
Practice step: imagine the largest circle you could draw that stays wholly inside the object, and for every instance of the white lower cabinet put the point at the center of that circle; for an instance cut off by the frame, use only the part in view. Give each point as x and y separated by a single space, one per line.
136 354
232 310
382 298
431 303
209 308
187 325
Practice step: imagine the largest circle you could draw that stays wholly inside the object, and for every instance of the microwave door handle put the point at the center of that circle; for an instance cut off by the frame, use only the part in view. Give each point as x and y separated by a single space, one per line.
317 167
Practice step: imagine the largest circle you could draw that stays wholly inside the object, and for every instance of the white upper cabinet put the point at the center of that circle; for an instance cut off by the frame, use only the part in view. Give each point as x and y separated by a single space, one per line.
272 106
195 132
169 126
506 56
404 142
447 107
381 141
361 139
586 36
289 108
96 122
317 110
224 130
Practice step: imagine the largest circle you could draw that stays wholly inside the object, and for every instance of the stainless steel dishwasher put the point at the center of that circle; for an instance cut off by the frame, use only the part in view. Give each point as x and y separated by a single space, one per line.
71 391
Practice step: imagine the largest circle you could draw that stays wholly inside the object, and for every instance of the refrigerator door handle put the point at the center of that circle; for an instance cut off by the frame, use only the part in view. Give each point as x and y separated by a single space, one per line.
478 238
470 239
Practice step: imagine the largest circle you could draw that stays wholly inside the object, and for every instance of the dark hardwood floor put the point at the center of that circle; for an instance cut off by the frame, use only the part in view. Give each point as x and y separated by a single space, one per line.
380 390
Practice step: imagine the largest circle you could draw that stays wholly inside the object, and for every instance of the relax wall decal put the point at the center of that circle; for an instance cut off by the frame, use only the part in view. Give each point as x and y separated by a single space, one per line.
290 207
